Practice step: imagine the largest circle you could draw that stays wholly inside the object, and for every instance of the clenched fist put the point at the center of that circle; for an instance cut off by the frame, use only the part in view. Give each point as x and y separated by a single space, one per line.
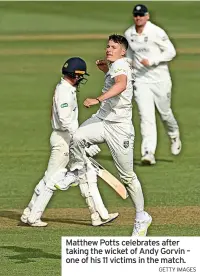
102 65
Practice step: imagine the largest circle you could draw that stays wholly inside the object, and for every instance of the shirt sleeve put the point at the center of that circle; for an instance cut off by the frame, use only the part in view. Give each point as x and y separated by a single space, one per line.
64 104
118 68
129 55
129 52
168 51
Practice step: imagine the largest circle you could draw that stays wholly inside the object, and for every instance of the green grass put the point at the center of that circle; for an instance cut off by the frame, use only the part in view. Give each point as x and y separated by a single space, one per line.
28 73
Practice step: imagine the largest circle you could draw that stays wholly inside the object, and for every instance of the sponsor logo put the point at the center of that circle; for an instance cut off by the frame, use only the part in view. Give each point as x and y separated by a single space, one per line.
64 105
143 50
118 70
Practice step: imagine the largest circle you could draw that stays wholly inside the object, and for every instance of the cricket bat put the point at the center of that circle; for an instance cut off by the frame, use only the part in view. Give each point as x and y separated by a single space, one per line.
110 179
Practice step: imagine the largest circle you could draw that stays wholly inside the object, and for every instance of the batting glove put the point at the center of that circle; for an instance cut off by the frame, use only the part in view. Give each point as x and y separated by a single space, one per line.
92 150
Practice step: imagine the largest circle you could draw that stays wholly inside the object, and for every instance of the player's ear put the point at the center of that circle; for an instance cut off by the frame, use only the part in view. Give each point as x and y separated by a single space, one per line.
123 51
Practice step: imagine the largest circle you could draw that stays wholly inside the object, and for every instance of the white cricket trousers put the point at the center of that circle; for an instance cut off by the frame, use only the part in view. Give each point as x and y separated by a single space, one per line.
148 97
59 158
120 139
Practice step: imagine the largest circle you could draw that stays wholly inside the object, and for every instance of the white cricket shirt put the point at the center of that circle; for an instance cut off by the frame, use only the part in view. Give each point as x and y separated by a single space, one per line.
118 108
65 108
152 44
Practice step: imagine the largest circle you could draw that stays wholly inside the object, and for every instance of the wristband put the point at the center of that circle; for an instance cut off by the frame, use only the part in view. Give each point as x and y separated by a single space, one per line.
98 100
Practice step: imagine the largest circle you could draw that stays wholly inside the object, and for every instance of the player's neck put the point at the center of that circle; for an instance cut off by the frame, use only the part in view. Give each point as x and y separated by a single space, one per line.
110 62
139 29
69 80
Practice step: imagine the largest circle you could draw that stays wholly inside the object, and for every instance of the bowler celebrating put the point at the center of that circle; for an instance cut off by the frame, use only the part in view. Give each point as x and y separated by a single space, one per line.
112 124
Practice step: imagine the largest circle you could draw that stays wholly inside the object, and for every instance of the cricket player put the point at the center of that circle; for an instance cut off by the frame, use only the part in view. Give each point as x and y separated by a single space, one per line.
150 49
64 122
112 124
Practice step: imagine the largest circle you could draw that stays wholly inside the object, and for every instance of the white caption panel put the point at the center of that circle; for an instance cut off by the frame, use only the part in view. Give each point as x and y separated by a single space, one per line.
118 255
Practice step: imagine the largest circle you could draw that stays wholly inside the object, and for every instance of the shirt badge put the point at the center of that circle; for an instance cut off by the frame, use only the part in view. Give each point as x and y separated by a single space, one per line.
126 144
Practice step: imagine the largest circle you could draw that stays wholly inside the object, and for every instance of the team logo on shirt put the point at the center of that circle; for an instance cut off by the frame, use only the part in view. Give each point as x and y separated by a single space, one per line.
83 143
145 38
64 105
126 144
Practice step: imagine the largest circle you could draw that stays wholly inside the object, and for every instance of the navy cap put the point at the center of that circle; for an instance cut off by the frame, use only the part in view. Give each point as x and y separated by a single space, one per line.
75 65
140 9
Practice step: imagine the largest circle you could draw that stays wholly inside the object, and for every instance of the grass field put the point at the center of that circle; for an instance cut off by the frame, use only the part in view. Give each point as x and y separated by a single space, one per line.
35 40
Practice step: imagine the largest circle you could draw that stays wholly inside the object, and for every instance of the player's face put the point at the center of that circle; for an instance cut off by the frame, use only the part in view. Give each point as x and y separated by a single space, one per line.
140 20
80 79
114 51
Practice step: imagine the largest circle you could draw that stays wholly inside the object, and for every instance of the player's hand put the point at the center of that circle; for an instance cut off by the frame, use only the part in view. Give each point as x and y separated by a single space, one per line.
89 102
102 65
92 150
145 62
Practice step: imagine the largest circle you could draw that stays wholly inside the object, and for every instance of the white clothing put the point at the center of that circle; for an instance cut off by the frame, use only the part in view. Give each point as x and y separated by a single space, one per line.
112 124
65 108
152 87
64 123
59 157
118 108
120 139
147 97
152 44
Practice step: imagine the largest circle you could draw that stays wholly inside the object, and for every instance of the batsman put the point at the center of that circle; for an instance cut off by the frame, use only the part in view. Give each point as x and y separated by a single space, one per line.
112 124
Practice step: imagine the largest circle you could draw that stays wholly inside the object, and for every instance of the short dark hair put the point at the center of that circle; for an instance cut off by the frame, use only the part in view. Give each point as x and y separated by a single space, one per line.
119 39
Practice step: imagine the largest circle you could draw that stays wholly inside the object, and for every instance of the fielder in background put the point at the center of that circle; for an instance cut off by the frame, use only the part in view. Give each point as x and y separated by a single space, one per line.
112 124
150 49
64 122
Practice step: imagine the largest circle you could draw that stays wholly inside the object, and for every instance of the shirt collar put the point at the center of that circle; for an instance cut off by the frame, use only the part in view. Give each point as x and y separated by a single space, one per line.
110 64
65 82
145 30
